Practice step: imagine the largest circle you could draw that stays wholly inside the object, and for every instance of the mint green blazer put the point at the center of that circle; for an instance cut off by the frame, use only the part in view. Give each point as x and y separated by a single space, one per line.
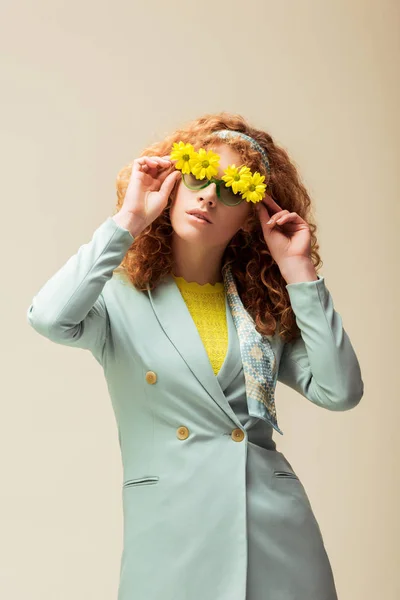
212 510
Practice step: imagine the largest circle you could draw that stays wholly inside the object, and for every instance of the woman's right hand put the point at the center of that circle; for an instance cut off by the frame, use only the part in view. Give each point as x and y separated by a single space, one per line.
150 185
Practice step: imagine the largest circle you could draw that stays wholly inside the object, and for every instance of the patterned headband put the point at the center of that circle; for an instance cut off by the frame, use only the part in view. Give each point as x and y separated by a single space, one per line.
224 133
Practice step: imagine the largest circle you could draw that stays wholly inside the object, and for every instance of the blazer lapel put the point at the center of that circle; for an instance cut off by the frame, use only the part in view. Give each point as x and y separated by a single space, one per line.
177 323
232 365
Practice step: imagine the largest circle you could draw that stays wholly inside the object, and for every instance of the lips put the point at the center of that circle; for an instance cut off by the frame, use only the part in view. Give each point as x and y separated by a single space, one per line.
200 215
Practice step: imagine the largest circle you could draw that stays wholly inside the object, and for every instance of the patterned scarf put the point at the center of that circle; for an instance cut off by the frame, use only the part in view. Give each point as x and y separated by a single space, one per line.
258 358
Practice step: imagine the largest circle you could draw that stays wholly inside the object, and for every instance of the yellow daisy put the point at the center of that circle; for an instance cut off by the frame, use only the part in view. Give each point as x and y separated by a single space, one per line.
204 164
237 179
182 153
255 189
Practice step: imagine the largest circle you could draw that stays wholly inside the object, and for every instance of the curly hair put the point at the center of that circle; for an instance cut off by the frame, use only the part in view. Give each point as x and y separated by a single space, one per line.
259 281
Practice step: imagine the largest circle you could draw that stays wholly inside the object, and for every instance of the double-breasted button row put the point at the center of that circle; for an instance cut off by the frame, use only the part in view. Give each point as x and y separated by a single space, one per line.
183 432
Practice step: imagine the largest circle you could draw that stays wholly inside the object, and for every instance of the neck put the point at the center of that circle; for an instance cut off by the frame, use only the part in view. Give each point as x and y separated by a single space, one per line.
195 263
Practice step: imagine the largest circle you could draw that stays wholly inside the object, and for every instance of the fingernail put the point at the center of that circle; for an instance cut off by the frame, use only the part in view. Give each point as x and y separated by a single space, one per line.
270 221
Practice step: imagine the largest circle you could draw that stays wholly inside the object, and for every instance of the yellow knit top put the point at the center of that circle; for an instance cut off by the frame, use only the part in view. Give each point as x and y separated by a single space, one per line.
206 304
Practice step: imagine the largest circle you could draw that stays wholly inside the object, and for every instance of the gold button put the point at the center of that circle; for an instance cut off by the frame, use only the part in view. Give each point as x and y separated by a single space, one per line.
182 433
151 377
237 435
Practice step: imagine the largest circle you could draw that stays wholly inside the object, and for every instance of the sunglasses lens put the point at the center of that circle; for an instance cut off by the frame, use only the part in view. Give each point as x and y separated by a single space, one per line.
192 182
228 197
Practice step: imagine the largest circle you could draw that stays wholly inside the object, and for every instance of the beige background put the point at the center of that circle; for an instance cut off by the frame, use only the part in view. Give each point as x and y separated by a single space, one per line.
85 86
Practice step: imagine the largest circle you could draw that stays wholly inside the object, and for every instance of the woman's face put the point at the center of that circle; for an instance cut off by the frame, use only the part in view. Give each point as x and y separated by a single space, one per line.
225 220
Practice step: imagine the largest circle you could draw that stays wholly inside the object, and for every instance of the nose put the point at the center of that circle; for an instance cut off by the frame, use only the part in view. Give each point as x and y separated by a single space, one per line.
209 194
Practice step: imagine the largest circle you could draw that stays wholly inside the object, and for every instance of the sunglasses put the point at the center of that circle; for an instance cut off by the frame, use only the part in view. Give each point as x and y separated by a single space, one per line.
225 194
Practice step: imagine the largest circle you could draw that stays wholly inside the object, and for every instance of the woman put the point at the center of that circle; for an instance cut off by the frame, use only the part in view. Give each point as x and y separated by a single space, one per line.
194 320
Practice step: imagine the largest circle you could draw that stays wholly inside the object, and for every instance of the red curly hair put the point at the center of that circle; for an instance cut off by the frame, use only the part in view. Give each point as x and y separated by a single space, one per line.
259 281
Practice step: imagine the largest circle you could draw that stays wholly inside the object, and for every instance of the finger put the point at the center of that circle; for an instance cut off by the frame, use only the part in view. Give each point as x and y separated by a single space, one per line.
139 164
272 205
162 160
162 175
157 166
144 163
266 217
292 216
290 219
162 169
168 184
274 218
284 219
150 161
262 211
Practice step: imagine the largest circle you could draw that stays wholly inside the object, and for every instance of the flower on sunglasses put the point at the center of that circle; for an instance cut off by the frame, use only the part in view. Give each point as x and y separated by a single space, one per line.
237 179
204 163
255 188
183 153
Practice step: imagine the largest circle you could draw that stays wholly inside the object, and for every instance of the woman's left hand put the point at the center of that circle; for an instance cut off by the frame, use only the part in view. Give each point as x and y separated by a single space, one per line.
287 236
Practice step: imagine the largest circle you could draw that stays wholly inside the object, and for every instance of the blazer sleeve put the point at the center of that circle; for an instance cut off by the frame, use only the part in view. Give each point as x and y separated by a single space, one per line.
69 309
321 364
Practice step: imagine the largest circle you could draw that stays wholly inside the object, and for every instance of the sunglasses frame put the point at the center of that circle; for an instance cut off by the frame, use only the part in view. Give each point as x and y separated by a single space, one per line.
218 183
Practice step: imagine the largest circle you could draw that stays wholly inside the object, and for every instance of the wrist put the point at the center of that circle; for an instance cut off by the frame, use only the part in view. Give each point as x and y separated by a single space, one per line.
297 270
129 222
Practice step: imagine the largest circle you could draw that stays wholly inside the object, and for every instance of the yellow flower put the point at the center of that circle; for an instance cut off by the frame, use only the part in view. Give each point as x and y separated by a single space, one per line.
204 164
182 153
236 179
255 189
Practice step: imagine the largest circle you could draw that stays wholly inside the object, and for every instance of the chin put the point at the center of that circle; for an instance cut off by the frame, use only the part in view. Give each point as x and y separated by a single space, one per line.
185 229
186 232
